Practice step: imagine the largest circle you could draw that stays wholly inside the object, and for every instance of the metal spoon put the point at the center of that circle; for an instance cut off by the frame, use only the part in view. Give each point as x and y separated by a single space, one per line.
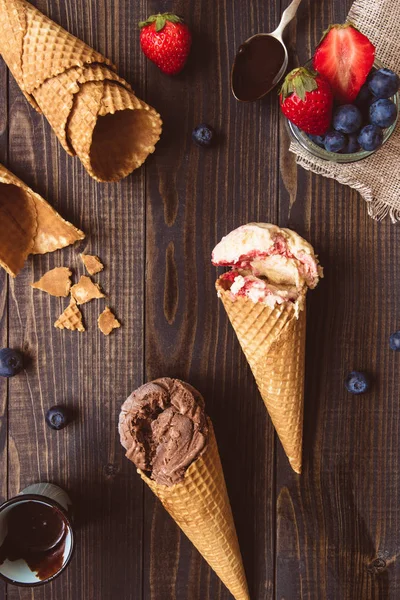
261 61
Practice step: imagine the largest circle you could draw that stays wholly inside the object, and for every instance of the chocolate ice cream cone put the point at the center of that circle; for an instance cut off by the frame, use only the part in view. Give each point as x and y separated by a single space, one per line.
273 341
200 506
167 435
93 111
28 224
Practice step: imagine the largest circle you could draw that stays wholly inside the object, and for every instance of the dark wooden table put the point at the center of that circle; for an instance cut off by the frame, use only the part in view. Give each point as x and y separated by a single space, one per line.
331 533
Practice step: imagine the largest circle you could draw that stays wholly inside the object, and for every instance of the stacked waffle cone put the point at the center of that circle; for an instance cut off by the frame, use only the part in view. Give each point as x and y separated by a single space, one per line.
94 112
273 341
200 506
28 224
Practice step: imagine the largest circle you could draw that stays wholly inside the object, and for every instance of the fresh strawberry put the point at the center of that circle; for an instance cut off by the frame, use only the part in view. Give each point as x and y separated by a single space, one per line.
166 41
306 99
345 57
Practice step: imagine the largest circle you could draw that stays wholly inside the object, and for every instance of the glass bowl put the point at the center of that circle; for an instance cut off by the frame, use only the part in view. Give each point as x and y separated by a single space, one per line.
301 138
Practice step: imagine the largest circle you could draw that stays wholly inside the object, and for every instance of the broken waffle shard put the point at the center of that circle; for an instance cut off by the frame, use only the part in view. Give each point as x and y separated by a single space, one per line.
92 263
85 290
107 321
56 282
71 318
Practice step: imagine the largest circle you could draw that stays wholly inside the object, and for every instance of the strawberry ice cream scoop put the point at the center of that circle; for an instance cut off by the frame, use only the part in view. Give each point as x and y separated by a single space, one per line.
268 264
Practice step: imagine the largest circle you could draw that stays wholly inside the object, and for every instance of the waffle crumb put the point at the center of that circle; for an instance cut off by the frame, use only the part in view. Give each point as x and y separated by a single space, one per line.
71 318
56 282
107 321
85 290
92 263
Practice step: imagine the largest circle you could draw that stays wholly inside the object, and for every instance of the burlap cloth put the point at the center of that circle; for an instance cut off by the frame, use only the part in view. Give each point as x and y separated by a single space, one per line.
377 177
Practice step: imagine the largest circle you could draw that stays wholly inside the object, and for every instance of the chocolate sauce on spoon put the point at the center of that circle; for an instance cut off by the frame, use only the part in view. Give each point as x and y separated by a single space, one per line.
36 533
257 65
261 61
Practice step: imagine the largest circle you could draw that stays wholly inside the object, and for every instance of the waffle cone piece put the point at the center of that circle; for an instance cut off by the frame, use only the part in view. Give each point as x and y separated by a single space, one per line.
200 507
273 341
93 111
28 224
71 318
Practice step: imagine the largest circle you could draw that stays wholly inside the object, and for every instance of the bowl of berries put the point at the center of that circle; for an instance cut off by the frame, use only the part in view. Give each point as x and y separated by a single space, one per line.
343 105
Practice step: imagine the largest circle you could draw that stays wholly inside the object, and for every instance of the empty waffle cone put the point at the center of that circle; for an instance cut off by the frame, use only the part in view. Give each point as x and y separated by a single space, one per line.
55 97
273 341
110 130
200 506
28 224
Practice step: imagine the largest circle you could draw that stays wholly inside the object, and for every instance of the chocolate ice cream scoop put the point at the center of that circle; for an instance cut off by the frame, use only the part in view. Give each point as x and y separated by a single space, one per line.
163 427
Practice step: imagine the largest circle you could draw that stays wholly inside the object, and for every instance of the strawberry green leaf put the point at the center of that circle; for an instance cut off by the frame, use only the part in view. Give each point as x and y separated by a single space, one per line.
148 21
160 20
299 82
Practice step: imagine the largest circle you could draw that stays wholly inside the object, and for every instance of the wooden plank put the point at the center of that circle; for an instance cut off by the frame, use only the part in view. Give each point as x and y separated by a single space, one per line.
337 524
194 197
86 371
3 307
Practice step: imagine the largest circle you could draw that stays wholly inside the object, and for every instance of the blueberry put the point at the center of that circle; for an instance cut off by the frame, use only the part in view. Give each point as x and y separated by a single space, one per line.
370 138
352 144
384 83
364 101
394 341
11 362
335 141
317 139
382 113
347 119
357 382
364 97
58 417
203 135
371 74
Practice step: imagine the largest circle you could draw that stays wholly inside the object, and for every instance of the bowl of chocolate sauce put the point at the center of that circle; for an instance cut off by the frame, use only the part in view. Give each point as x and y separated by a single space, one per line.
36 540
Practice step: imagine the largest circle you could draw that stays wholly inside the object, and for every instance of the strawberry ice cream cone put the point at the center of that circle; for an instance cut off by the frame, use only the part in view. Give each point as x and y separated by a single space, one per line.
264 296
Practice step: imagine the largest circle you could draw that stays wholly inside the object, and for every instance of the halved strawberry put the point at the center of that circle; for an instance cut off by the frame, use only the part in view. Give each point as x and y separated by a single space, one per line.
344 57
